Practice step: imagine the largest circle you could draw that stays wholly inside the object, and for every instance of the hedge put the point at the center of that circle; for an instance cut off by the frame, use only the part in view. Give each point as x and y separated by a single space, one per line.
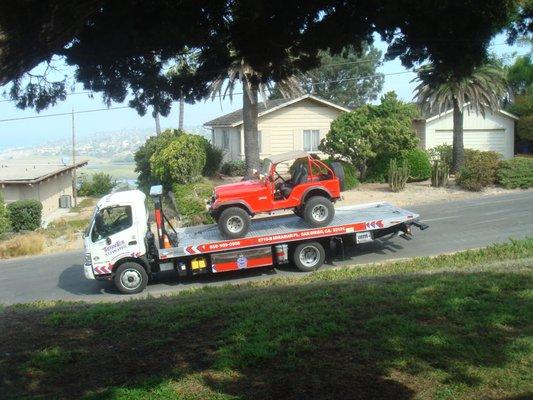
25 215
479 170
516 173
233 168
419 165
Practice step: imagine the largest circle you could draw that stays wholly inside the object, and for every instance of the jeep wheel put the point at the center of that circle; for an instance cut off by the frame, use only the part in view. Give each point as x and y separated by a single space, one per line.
234 222
318 211
338 169
130 278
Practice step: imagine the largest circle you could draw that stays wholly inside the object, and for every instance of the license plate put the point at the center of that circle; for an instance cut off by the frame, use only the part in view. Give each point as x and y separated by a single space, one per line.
363 237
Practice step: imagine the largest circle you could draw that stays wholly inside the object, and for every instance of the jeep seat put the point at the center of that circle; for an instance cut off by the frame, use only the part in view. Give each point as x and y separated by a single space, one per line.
299 176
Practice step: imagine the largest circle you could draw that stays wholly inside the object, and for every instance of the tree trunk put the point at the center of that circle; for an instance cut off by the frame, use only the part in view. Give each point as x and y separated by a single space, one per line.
157 124
182 108
458 158
249 118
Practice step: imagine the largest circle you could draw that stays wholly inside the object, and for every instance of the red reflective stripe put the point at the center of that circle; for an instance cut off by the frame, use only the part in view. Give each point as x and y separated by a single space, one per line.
251 263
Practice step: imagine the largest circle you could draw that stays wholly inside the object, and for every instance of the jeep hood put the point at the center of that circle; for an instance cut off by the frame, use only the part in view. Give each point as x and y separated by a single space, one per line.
238 189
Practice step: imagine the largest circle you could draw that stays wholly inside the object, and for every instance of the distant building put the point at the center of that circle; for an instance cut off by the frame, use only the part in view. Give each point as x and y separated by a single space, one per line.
51 184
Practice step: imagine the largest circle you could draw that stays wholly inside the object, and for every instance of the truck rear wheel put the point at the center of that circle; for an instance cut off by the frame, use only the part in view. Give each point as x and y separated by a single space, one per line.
318 211
234 222
309 256
130 278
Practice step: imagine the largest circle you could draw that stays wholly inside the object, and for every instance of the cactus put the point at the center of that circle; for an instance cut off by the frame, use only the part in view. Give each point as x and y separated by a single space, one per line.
439 174
398 175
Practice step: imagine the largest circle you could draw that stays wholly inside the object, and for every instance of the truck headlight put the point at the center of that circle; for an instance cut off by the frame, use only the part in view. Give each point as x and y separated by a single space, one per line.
88 259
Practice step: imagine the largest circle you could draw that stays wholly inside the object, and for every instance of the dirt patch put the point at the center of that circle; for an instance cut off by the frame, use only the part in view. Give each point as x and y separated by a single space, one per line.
416 193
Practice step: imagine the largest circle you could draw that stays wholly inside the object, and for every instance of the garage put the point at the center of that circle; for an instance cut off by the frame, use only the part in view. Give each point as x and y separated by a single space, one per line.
492 132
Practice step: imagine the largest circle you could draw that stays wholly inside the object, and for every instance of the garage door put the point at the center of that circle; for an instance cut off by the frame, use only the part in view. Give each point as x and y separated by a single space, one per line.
493 140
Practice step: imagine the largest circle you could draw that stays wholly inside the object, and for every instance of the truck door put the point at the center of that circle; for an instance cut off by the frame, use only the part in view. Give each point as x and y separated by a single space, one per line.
114 235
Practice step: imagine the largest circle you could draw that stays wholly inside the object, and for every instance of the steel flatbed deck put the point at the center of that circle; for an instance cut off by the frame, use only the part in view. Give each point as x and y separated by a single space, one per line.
368 217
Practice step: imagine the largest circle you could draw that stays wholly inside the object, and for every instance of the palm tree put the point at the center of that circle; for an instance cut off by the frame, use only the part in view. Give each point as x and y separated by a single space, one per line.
481 91
253 85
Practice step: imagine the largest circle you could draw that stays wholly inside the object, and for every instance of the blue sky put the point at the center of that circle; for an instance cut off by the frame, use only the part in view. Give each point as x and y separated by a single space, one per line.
37 131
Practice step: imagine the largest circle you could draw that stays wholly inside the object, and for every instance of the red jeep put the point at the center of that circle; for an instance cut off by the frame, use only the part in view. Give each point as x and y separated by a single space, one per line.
310 190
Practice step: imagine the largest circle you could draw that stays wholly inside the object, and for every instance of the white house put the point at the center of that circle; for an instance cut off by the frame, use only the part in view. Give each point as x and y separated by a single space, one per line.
283 125
495 131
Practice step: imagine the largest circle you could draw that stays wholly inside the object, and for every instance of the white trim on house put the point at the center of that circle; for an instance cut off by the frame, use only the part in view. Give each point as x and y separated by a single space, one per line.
508 114
270 110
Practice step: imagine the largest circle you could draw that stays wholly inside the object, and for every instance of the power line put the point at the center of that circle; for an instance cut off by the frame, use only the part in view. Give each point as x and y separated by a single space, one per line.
63 114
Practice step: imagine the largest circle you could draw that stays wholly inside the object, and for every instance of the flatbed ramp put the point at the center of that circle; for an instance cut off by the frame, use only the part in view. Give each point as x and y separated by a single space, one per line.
283 229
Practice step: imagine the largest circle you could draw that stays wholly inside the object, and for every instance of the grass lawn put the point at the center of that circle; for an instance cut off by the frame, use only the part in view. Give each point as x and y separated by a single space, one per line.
457 326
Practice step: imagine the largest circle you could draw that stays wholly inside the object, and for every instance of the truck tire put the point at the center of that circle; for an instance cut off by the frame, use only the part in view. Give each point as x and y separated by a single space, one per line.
131 278
309 256
339 173
234 222
318 211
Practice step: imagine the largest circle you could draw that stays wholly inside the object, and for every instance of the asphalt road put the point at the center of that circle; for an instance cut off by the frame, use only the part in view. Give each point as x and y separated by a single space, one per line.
454 226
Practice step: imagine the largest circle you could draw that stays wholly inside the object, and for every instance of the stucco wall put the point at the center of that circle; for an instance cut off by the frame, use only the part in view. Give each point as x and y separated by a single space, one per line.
47 192
494 132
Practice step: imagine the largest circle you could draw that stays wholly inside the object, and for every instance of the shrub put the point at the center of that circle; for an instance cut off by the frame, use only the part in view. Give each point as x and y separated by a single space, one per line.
378 169
419 165
25 215
516 173
214 157
479 170
350 173
99 184
4 216
181 161
22 245
234 168
443 153
190 202
372 131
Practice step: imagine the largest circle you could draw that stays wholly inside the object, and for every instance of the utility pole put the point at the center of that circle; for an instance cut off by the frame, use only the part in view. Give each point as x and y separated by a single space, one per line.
74 180
157 124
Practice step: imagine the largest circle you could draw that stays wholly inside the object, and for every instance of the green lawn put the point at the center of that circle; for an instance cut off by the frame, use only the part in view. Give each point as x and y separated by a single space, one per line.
457 326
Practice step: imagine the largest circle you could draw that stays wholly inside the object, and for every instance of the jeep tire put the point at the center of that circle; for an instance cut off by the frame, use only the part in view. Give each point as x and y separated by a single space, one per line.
234 222
318 211
130 278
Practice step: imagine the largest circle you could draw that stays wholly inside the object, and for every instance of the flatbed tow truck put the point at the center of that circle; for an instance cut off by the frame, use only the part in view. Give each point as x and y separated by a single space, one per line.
120 246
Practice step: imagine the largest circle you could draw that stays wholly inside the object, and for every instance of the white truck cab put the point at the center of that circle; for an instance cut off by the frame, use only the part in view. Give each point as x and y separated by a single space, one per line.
116 234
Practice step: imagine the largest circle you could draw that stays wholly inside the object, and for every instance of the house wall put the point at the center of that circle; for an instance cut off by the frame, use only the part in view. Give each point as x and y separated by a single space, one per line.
47 192
494 132
282 130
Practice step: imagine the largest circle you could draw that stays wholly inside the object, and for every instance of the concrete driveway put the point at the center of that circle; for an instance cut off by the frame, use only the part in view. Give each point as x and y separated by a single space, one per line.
454 226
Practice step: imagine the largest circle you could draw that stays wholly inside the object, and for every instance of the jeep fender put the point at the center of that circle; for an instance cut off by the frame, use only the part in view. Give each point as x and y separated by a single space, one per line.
223 205
319 190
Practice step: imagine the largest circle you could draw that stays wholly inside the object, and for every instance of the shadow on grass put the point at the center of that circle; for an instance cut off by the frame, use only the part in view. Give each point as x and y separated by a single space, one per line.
443 335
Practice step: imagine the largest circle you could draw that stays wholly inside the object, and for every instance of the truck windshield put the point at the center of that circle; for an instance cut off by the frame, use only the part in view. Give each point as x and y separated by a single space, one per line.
265 167
111 220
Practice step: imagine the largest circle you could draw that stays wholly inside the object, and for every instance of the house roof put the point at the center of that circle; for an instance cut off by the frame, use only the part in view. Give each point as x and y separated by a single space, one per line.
234 118
430 116
25 172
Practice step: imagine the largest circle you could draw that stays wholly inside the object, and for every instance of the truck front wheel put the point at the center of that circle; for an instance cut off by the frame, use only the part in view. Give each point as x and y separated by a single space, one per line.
131 278
309 256
234 222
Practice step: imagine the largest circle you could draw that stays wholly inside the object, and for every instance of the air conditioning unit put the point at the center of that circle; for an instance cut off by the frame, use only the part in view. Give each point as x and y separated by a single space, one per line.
65 201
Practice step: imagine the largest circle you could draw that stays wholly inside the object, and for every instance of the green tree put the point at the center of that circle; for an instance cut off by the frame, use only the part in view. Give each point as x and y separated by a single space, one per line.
181 161
480 91
348 78
520 77
383 130
143 155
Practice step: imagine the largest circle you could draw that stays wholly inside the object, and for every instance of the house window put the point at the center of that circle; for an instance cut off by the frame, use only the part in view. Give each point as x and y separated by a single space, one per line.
311 139
260 141
225 139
